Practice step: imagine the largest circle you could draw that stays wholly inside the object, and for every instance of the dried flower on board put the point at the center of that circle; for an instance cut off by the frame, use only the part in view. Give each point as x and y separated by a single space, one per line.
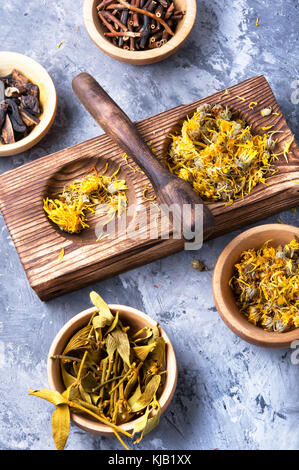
219 156
69 209
19 107
266 286
110 373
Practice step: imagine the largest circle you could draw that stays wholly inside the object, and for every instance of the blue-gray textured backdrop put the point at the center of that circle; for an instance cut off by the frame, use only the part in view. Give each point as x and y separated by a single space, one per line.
230 395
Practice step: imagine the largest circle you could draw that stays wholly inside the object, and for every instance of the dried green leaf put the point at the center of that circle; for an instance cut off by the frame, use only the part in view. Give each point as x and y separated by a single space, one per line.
89 382
147 424
67 378
136 395
122 344
61 425
72 393
78 341
130 385
140 425
100 321
147 396
148 335
111 345
114 323
102 307
52 396
142 352
85 395
158 352
151 424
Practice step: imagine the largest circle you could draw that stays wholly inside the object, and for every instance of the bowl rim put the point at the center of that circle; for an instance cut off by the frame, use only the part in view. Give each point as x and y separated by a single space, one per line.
139 56
76 322
45 123
239 324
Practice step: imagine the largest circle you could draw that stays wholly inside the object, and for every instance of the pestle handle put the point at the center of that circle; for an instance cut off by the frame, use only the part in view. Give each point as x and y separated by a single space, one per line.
168 188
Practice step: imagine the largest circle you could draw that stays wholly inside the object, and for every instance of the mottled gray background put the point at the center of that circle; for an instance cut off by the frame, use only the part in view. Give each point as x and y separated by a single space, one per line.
230 395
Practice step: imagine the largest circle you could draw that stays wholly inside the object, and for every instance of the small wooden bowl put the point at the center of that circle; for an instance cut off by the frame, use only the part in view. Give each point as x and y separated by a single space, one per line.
137 320
39 76
223 295
95 31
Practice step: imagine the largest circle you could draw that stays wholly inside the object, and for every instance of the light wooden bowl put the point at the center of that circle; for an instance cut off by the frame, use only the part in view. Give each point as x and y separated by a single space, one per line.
223 295
39 76
95 31
137 320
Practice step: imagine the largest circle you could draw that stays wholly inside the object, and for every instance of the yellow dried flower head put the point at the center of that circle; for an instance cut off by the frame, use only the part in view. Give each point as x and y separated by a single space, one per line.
68 211
69 218
220 157
266 286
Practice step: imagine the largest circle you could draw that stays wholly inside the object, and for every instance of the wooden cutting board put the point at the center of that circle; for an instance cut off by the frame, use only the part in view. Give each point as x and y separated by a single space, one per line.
38 241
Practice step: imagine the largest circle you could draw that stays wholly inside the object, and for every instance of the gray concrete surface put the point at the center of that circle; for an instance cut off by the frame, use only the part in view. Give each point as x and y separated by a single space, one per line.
230 395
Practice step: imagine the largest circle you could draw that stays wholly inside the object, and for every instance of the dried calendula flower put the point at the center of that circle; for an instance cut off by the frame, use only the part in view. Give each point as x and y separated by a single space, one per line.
199 265
266 111
69 209
110 373
219 156
266 286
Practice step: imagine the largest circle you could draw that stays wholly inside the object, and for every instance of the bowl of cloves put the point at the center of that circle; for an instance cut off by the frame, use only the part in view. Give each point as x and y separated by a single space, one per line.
27 103
139 32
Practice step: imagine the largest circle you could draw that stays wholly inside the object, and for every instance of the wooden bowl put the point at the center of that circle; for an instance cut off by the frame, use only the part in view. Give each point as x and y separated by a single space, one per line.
95 31
39 76
223 295
137 320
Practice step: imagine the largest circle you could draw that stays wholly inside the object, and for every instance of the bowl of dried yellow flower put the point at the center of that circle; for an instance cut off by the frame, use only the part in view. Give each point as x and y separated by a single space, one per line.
112 371
256 285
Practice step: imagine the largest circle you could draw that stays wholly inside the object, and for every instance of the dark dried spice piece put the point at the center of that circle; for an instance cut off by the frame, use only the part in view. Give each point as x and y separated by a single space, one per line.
30 103
7 131
139 16
19 106
3 109
28 118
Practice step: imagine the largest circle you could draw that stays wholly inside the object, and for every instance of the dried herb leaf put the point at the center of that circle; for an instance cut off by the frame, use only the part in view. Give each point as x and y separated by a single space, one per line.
122 344
110 374
61 425
143 351
78 341
147 396
67 378
102 307
111 345
52 396
88 382
147 424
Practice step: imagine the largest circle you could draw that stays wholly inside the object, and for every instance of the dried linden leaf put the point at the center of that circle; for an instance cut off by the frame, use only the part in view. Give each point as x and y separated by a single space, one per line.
52 396
61 425
146 397
102 307
122 344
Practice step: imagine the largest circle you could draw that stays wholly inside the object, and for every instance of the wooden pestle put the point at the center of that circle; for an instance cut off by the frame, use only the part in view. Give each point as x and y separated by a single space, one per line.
170 189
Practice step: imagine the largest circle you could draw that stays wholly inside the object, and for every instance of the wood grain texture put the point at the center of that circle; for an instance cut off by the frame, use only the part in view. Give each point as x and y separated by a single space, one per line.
39 242
170 189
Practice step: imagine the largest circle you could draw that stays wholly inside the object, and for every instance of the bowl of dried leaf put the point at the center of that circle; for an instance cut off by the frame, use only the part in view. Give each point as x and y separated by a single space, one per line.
112 371
27 103
256 285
